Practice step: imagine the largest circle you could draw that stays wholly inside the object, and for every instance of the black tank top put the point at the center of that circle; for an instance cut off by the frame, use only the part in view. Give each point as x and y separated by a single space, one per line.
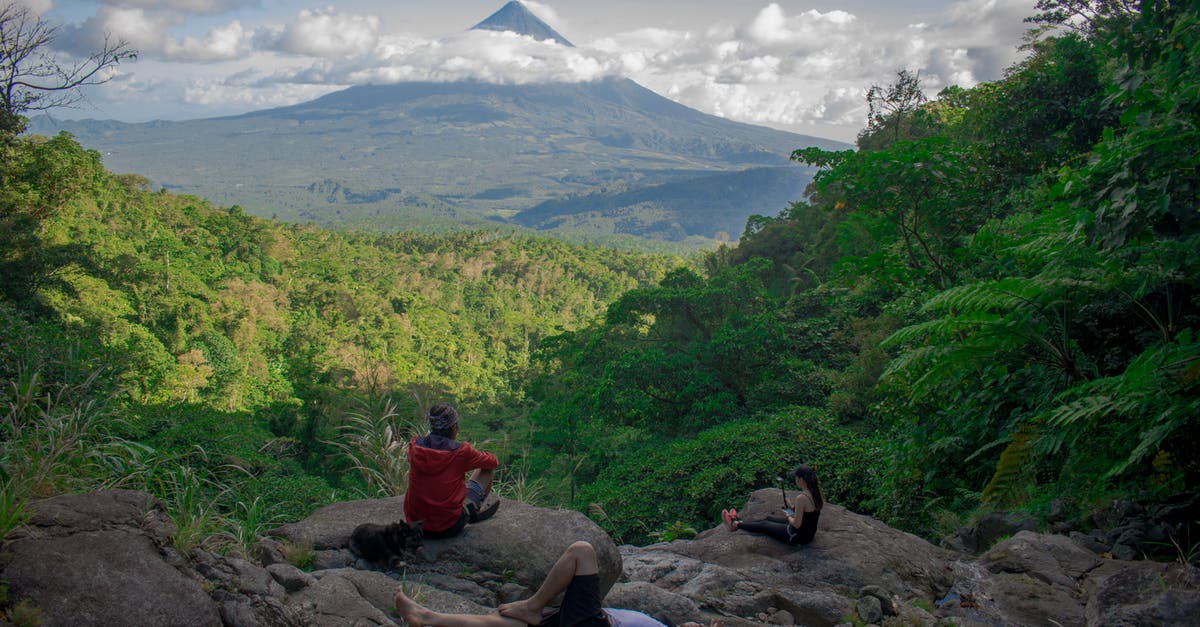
808 527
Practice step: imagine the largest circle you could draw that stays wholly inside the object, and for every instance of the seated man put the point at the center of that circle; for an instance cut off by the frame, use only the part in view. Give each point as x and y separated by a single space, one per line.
437 463
577 571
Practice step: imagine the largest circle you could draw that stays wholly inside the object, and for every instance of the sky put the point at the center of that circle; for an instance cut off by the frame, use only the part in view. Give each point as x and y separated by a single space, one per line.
802 66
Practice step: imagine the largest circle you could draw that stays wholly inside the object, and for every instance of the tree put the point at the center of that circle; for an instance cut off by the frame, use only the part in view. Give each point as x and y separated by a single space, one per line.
892 108
32 78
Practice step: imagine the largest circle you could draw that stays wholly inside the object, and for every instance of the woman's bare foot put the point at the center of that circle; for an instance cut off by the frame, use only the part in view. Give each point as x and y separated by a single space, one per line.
409 610
522 611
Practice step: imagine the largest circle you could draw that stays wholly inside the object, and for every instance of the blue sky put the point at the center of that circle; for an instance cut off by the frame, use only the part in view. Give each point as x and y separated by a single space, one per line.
802 66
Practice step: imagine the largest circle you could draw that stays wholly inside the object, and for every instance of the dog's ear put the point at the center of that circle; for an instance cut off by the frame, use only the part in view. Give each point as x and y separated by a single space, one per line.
419 525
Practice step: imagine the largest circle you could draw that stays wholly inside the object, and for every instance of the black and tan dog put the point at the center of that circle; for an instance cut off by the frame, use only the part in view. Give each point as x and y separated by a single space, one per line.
385 545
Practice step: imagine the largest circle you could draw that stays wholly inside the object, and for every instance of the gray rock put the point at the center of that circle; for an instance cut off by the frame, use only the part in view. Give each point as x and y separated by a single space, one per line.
122 573
91 559
291 578
1144 593
525 541
651 599
850 551
330 527
1051 559
886 604
510 592
1123 552
520 538
816 608
1117 513
456 585
330 559
335 601
869 609
236 574
1089 542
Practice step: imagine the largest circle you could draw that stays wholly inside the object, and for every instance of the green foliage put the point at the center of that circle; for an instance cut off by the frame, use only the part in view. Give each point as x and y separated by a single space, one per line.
650 487
675 531
375 442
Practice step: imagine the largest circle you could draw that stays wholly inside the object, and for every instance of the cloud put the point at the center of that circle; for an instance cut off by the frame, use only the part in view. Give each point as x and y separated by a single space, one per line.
790 69
249 95
328 34
223 43
193 7
143 31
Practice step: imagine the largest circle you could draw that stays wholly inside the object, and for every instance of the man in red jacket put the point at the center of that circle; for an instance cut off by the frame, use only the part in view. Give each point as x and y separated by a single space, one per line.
437 463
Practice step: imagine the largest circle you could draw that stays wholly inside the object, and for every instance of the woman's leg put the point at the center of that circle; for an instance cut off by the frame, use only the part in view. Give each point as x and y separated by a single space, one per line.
767 527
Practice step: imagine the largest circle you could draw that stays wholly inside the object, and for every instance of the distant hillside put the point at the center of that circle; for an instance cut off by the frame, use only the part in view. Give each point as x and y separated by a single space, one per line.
420 154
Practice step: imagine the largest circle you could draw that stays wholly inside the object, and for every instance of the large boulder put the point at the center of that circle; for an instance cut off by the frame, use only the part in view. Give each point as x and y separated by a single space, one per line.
99 559
519 544
850 551
1143 593
330 527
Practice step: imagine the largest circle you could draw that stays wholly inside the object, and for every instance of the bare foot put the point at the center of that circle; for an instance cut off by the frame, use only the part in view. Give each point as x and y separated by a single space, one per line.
412 613
522 611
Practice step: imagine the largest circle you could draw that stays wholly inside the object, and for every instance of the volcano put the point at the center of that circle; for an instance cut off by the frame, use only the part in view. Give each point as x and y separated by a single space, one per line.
596 160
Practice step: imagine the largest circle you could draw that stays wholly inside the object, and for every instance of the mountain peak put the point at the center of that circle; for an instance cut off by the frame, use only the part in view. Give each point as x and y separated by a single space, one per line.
516 17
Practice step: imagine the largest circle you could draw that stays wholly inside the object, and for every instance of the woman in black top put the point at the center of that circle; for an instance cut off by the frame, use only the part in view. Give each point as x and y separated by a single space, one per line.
799 525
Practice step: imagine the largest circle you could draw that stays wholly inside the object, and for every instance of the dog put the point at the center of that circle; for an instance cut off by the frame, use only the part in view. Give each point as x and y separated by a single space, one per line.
384 545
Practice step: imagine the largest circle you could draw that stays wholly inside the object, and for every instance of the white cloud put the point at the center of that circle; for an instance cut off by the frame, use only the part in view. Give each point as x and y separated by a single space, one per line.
223 43
38 7
791 69
195 7
144 32
326 33
225 93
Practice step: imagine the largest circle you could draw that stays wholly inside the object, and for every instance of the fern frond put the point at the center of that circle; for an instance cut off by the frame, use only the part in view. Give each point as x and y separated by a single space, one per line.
1088 408
940 327
1149 442
1012 470
912 360
1004 294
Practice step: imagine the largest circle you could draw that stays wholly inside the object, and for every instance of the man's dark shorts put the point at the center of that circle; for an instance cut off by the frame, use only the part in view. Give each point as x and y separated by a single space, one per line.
580 606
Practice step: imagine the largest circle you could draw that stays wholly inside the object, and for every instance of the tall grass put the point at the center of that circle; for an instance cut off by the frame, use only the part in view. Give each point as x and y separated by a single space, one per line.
56 437
374 441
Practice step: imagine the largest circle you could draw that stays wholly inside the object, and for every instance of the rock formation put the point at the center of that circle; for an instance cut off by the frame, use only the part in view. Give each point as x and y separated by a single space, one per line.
106 559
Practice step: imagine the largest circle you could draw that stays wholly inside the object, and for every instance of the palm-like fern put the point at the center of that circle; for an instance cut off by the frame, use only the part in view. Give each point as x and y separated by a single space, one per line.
1156 396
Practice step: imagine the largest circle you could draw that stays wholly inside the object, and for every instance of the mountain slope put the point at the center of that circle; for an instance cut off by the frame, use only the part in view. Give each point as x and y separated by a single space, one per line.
414 155
516 18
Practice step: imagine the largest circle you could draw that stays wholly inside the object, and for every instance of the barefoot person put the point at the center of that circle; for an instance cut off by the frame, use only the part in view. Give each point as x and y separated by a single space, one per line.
799 526
577 571
437 463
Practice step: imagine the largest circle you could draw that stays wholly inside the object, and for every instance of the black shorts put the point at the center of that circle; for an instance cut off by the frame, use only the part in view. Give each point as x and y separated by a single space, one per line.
580 606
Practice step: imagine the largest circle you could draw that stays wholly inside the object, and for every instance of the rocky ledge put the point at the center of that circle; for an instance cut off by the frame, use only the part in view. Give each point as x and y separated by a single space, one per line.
106 559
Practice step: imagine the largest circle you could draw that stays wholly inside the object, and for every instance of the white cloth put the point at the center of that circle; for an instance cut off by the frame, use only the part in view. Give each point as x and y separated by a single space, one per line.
630 618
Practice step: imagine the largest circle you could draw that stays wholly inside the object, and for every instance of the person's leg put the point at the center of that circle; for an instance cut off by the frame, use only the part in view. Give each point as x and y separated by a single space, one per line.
579 559
776 530
416 615
484 479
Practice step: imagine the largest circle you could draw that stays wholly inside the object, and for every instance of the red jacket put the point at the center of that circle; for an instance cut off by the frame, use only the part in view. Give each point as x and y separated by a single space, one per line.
437 485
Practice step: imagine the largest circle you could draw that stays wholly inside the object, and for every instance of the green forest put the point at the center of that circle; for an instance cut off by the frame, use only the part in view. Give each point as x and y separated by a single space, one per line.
992 304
